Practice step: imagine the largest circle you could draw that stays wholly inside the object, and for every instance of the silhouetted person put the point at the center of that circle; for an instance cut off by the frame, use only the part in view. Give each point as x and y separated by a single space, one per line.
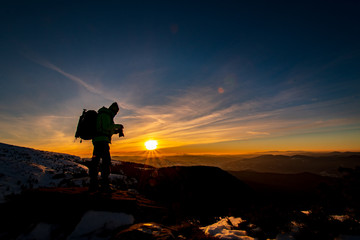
105 128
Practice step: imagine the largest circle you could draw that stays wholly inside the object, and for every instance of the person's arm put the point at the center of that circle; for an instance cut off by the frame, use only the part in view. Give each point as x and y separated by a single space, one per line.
106 125
118 126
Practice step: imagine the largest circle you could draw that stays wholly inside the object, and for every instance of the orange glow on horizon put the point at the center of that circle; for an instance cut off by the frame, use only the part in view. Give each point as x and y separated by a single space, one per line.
133 145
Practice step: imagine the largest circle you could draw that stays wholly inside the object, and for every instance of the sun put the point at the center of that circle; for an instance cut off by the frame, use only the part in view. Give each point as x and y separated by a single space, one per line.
151 144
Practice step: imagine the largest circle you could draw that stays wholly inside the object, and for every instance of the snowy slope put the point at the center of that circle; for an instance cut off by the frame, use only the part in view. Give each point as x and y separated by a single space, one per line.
25 168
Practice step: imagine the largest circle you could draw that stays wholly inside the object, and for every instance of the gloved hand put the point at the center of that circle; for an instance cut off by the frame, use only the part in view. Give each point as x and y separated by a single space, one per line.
120 130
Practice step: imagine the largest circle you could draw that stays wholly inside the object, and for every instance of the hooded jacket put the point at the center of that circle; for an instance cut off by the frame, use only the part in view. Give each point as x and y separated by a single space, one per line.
105 125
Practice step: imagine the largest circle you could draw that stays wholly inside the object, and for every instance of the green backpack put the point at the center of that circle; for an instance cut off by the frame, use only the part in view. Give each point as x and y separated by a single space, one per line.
86 128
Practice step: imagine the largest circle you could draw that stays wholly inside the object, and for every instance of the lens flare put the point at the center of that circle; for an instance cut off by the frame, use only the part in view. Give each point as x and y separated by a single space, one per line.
151 144
221 90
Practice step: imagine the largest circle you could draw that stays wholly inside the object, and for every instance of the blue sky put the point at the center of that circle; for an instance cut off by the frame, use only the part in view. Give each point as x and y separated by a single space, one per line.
183 72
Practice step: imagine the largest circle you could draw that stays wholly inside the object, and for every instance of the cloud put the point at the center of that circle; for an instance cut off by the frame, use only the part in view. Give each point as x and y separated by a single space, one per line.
199 116
196 115
73 78
45 132
82 83
257 133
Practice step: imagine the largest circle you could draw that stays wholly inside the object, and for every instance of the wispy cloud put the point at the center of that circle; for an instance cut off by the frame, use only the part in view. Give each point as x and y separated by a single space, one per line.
199 116
73 78
81 82
257 133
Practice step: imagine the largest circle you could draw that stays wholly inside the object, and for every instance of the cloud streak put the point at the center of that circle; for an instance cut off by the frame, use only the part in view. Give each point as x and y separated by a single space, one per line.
199 116
77 80
82 83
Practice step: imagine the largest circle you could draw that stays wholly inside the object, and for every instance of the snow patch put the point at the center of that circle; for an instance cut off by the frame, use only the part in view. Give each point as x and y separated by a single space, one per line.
223 229
340 218
306 212
25 168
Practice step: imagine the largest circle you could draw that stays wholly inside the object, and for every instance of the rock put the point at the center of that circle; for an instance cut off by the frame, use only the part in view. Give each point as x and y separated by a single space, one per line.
67 206
146 231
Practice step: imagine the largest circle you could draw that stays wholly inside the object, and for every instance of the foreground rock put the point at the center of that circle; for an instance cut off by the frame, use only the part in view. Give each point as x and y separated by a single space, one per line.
198 191
60 211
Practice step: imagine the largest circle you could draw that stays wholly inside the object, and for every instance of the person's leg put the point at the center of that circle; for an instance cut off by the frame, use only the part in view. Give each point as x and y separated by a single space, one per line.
94 168
105 166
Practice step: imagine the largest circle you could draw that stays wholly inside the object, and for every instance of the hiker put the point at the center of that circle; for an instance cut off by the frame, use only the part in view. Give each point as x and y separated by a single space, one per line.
105 128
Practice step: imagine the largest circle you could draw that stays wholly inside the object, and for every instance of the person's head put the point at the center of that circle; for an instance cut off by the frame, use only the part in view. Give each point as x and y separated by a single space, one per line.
114 107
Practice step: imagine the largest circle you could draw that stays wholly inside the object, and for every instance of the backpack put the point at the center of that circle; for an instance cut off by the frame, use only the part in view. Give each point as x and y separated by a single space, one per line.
86 128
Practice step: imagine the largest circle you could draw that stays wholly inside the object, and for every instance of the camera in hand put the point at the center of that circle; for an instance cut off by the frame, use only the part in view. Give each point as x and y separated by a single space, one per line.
120 131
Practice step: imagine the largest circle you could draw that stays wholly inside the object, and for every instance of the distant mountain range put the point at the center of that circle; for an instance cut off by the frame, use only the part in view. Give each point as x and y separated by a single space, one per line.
325 164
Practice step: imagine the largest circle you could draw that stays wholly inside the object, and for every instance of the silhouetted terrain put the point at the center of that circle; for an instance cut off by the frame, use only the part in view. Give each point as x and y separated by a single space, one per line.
196 191
46 197
299 182
323 165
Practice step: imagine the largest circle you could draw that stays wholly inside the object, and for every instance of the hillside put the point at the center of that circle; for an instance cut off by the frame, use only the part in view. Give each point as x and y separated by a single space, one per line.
26 168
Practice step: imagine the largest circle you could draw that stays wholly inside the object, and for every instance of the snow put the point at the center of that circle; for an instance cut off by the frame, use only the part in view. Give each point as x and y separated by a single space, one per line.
306 212
223 229
25 168
95 224
340 218
120 179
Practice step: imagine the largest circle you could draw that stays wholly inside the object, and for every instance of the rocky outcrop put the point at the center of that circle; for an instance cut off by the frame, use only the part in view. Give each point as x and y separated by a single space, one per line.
65 207
197 191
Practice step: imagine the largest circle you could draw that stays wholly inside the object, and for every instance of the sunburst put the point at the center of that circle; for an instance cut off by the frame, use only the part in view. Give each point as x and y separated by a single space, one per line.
151 145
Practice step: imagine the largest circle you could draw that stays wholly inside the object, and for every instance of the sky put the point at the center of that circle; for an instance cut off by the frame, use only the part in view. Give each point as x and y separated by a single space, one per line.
200 77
